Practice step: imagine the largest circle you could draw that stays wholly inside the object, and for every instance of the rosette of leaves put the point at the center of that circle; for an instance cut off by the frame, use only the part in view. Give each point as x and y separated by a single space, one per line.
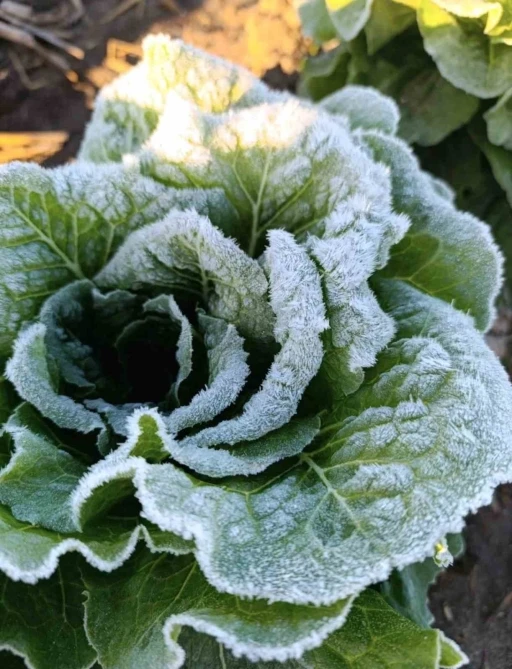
246 394
448 65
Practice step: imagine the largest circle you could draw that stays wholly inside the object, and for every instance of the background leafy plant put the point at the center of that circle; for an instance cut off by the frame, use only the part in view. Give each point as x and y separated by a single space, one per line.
245 382
448 65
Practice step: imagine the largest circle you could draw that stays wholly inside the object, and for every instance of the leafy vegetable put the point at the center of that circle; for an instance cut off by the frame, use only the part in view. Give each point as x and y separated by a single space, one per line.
448 65
250 394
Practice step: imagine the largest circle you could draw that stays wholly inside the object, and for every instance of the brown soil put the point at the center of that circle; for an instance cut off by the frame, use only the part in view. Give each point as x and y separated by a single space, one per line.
472 601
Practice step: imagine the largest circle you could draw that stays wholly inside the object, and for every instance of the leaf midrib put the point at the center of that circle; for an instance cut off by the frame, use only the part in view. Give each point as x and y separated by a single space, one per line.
73 267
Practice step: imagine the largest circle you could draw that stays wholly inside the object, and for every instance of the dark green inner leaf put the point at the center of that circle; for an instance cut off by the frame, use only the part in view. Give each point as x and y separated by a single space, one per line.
108 347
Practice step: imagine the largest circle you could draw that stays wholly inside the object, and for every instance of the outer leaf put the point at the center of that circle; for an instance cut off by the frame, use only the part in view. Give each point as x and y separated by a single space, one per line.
134 615
325 73
499 121
45 624
463 53
42 483
373 637
388 19
315 19
432 108
437 402
499 158
445 253
127 111
364 108
349 16
60 225
29 553
452 656
40 478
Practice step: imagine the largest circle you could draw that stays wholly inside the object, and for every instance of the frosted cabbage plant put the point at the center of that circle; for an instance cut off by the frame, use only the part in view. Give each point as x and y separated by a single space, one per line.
247 402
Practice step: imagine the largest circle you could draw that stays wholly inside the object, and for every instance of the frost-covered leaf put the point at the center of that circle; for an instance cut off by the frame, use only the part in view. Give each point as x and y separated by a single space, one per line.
499 121
227 374
281 165
43 485
452 657
300 318
60 225
359 327
45 623
185 252
127 110
247 458
446 253
373 637
29 553
364 107
430 422
40 477
30 373
134 615
465 55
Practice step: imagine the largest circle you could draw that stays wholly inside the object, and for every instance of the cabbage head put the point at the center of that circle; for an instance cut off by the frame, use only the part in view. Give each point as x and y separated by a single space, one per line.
246 399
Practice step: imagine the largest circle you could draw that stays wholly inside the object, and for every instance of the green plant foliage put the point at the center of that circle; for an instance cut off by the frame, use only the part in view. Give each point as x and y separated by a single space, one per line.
448 65
249 395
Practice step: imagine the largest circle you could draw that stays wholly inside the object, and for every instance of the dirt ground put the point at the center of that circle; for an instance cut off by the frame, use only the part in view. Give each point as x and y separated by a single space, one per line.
472 602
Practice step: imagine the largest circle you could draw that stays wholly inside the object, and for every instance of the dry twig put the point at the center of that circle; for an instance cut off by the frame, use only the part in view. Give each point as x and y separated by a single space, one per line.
18 36
122 9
